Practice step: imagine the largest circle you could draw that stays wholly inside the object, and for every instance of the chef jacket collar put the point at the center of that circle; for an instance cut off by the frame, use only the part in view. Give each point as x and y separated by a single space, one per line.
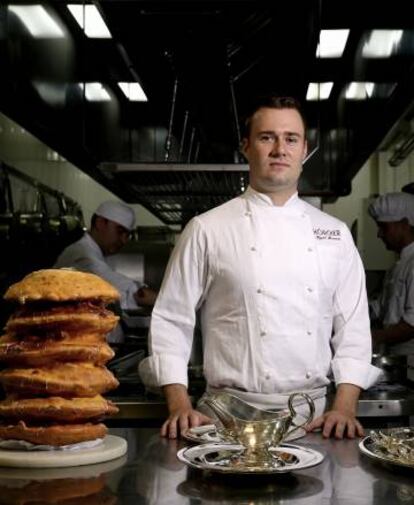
262 199
407 251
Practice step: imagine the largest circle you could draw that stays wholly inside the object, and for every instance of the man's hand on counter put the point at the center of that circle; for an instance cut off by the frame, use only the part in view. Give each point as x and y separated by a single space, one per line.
182 415
340 420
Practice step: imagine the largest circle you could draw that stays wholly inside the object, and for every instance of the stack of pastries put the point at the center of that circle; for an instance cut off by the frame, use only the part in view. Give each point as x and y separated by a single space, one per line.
53 355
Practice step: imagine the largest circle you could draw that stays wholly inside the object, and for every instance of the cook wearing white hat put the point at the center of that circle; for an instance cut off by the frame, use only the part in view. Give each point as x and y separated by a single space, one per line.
111 225
393 310
117 212
393 207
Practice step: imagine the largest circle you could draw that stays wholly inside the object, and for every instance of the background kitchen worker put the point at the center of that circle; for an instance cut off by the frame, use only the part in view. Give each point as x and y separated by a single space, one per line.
393 309
281 289
111 225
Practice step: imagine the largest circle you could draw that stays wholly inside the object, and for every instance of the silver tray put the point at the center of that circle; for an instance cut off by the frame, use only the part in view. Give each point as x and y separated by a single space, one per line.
371 449
216 457
209 434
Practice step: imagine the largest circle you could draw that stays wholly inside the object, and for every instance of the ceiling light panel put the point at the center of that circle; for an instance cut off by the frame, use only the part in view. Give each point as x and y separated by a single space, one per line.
332 43
367 90
95 92
382 43
38 21
319 91
90 20
133 91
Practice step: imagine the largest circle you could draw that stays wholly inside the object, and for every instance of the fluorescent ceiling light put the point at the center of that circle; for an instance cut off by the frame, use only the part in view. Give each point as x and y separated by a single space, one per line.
95 92
359 90
133 91
332 43
90 20
319 91
38 21
382 43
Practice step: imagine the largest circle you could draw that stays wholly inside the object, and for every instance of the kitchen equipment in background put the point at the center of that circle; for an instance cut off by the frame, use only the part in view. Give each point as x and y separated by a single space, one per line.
394 368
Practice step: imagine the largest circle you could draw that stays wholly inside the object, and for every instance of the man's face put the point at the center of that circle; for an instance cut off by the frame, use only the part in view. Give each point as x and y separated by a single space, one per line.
391 234
112 236
275 150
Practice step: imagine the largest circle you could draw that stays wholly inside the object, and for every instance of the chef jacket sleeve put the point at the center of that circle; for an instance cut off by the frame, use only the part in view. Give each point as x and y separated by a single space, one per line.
126 286
351 339
174 314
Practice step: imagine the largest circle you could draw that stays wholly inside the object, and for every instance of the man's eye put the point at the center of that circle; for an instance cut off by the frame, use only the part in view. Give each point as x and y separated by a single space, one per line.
266 138
291 140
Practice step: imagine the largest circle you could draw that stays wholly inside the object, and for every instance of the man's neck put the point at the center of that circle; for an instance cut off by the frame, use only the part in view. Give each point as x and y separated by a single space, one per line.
279 198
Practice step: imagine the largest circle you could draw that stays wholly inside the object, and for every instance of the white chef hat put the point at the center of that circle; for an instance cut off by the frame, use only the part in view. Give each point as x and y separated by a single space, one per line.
393 207
118 212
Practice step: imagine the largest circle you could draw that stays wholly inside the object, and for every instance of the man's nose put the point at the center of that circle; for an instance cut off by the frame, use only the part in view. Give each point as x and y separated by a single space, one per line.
278 148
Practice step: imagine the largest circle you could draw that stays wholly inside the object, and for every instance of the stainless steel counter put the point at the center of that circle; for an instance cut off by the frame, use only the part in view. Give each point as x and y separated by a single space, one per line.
383 401
150 474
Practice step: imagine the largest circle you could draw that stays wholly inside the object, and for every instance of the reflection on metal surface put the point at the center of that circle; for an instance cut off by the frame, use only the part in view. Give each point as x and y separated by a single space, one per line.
395 446
210 434
396 443
81 485
257 489
255 429
229 458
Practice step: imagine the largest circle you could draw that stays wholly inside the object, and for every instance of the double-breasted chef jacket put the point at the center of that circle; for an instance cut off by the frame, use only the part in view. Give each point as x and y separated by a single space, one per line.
283 303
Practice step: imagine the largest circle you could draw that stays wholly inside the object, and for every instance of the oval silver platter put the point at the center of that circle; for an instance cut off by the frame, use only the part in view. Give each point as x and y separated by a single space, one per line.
219 457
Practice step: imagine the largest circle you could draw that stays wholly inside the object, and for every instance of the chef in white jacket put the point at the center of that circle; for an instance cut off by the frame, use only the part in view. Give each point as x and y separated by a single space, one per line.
281 290
394 307
111 225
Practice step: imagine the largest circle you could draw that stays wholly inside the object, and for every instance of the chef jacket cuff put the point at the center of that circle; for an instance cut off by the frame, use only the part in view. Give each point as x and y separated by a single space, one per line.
160 369
354 371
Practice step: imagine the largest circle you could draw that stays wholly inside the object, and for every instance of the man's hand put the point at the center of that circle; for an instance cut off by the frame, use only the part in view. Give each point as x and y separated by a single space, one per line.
182 415
340 421
337 424
145 297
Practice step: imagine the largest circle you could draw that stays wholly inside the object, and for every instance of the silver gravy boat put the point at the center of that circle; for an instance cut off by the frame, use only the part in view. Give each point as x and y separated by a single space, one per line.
257 430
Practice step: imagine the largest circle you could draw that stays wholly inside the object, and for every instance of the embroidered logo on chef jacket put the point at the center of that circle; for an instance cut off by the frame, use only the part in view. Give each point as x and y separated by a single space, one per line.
323 234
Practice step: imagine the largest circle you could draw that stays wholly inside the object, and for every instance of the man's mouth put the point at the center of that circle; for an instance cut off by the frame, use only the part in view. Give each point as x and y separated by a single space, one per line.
279 164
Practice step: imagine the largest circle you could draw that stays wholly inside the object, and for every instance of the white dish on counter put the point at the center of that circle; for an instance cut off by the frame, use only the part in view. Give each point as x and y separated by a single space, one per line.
112 447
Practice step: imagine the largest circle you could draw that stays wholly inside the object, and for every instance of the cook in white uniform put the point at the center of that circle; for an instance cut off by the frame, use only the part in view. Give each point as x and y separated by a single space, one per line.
111 225
274 277
394 307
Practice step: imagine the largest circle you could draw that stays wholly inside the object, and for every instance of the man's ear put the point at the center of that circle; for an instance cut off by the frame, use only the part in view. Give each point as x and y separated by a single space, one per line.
244 144
305 150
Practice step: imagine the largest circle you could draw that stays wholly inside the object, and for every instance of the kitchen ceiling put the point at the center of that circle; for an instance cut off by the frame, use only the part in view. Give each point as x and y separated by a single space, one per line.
200 63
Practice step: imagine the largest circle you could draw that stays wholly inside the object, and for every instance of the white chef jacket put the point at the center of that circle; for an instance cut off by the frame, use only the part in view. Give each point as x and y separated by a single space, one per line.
282 298
396 300
87 256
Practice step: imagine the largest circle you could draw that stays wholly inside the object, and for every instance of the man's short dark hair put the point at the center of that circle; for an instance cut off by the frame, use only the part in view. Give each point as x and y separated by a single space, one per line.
270 102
